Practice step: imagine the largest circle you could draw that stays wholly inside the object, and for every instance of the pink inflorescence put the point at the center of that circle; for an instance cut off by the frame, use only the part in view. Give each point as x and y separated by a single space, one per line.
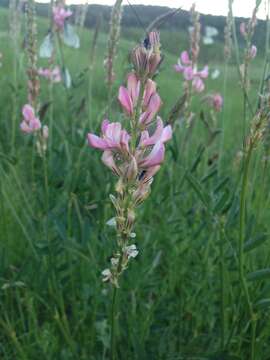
191 73
216 101
115 141
60 14
31 122
54 75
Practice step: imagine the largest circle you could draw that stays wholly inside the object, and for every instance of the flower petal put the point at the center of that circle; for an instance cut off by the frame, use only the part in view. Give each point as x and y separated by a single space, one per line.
125 100
96 142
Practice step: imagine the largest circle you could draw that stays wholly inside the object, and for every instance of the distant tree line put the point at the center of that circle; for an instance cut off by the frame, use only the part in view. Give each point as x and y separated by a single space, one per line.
140 16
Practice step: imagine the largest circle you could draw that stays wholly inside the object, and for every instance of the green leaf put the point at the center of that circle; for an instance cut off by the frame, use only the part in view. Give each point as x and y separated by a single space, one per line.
204 197
255 242
222 201
263 304
259 275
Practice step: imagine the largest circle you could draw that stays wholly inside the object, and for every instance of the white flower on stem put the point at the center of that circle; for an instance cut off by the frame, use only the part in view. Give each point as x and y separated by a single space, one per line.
131 251
114 261
107 275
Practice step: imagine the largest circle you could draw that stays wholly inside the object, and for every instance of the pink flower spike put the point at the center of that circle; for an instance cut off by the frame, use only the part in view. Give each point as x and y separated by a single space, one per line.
198 85
155 157
30 122
185 58
60 15
125 100
28 113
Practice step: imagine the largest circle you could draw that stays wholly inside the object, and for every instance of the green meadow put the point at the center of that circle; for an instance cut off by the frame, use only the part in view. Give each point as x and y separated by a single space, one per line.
181 298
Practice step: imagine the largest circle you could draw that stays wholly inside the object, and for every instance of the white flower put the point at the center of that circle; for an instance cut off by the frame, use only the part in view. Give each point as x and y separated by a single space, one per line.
131 251
107 275
114 261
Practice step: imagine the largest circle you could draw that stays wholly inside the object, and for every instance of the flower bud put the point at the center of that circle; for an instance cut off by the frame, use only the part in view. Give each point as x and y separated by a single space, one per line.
131 217
132 169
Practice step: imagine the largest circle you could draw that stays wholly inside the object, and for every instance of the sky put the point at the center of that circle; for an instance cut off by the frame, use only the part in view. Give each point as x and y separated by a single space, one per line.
241 8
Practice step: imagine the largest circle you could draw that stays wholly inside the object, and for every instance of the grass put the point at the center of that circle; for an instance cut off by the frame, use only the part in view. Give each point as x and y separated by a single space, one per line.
53 303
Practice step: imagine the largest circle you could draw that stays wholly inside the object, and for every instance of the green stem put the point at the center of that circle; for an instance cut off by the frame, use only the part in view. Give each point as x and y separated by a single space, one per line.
222 290
113 315
241 251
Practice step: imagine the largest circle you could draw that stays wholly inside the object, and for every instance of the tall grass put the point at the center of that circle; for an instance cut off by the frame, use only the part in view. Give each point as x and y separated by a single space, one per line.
199 288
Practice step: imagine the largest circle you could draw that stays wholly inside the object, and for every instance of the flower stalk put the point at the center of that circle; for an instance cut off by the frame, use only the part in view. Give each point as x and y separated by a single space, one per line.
134 156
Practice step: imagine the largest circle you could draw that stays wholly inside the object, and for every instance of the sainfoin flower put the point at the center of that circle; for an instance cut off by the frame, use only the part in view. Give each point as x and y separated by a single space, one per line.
54 75
128 98
60 14
134 154
190 72
31 122
216 101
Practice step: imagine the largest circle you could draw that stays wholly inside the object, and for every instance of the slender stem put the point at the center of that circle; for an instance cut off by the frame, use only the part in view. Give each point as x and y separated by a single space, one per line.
222 289
113 315
241 251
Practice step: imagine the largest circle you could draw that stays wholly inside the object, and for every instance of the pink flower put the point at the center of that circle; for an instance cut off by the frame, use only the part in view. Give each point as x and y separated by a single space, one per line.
113 138
108 160
185 58
53 75
198 84
203 73
60 15
152 109
30 122
184 63
155 157
184 66
252 52
162 134
216 101
128 97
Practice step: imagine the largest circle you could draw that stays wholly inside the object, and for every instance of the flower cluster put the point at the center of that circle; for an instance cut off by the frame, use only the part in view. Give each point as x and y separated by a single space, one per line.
215 101
190 72
134 155
60 14
53 75
31 122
